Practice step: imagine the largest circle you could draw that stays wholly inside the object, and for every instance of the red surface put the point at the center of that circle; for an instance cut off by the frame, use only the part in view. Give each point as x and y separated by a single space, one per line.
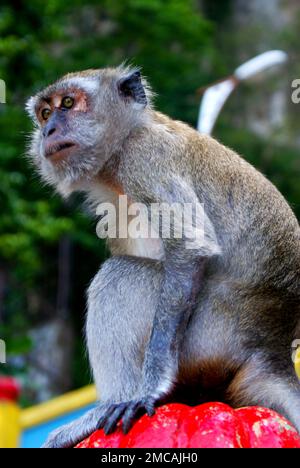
212 425
9 389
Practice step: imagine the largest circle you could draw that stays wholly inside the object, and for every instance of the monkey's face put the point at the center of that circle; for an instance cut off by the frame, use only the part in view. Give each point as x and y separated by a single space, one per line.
82 120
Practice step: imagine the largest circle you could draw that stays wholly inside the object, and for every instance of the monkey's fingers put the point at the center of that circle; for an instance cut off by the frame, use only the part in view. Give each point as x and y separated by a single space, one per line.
127 411
130 415
106 415
150 406
112 421
146 405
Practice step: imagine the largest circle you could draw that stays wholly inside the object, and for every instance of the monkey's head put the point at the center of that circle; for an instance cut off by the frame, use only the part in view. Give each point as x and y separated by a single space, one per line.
82 120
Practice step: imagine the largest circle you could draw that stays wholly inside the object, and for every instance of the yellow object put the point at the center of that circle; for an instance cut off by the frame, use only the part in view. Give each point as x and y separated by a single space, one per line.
57 406
297 362
9 424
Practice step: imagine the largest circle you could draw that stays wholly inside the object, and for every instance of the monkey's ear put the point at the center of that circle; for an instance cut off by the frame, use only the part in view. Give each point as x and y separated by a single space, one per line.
131 87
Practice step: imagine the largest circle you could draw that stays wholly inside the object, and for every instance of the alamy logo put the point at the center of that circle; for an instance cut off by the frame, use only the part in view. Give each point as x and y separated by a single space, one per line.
2 92
2 352
158 220
296 92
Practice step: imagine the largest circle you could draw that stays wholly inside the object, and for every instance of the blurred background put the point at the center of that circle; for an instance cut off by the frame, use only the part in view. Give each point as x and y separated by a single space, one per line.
49 250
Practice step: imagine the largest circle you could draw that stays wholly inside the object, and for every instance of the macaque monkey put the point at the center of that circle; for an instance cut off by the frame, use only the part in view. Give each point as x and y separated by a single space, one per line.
188 318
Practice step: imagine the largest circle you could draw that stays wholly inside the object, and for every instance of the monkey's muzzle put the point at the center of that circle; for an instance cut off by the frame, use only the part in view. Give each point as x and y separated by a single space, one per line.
58 150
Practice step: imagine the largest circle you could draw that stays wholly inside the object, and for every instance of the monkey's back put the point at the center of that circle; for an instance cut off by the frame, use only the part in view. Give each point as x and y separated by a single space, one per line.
256 228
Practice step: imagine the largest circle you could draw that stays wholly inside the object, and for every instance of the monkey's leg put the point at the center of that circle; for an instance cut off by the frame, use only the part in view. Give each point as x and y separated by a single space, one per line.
258 384
121 305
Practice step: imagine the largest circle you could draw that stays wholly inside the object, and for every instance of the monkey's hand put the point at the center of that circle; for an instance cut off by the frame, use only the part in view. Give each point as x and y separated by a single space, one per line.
128 412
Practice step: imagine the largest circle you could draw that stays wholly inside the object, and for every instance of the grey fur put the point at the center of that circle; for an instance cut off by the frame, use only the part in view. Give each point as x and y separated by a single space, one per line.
221 316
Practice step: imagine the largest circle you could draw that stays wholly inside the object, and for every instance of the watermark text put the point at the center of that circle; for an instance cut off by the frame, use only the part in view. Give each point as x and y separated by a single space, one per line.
2 92
2 352
158 220
296 92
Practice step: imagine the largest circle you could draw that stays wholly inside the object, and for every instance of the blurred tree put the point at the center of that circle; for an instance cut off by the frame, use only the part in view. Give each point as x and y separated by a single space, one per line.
260 120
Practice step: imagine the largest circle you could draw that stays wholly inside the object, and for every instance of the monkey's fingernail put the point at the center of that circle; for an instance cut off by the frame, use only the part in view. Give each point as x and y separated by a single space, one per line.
150 410
109 427
127 423
100 423
108 430
105 417
114 418
126 427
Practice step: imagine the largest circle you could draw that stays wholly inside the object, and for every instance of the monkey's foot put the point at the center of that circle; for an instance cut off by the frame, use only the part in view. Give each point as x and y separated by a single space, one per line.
127 411
70 434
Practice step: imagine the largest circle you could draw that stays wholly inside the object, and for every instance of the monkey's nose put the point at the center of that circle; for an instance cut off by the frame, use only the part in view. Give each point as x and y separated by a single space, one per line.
49 129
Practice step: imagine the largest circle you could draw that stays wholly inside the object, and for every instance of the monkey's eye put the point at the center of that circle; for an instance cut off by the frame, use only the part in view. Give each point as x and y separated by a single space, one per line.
46 113
67 102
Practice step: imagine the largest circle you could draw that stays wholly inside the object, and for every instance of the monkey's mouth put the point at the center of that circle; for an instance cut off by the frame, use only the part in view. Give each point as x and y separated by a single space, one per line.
58 150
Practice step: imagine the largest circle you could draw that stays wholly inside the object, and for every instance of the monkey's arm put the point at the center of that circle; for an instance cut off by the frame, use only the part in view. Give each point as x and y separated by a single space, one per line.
184 264
181 284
